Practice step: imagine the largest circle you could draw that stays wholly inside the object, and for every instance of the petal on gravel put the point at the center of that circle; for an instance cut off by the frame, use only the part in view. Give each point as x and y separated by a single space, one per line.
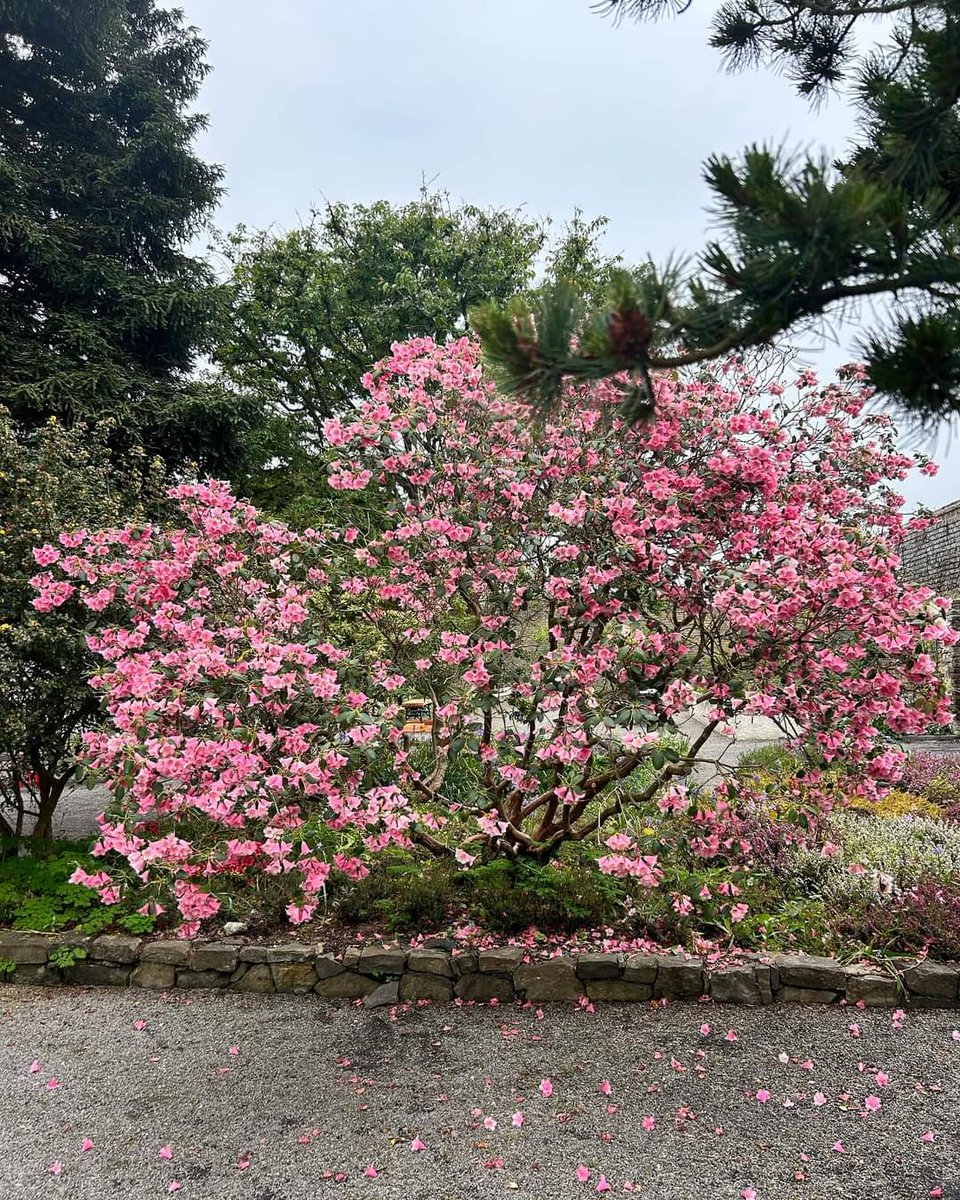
416 1144
838 1148
86 1145
546 1088
53 1084
583 1173
165 1152
872 1104
55 1167
35 1066
517 1120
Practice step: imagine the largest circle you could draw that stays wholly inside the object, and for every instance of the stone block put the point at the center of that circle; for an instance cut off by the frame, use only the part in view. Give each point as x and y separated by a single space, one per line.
465 964
551 979
485 987
24 947
800 995
439 943
425 985
679 978
766 983
621 991
430 962
173 953
811 972
97 974
351 957
502 961
598 966
214 956
293 977
931 979
872 987
383 996
378 960
158 976
326 966
257 979
188 978
640 968
116 948
36 974
348 985
735 985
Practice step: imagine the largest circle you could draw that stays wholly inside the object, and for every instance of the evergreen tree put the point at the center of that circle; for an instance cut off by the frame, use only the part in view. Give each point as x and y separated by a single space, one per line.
801 238
102 313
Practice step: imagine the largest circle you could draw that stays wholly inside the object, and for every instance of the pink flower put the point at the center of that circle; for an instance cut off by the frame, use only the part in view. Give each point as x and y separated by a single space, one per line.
517 1120
704 1030
928 1136
546 1089
371 1172
763 1095
648 1123
86 1145
490 1124
605 1088
583 1173
416 1144
602 1185
882 1079
838 1148
872 1104
165 1152
819 1099
738 912
748 1194
55 1168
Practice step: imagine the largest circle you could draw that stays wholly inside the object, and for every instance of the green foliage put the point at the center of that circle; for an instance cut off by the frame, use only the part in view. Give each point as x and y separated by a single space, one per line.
51 478
500 896
801 239
773 760
7 966
67 956
102 314
35 892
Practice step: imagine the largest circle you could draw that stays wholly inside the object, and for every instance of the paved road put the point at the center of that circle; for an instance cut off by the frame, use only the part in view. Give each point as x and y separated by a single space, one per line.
316 1090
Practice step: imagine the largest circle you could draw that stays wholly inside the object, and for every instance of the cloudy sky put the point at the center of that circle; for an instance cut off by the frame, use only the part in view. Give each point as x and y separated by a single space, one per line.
533 103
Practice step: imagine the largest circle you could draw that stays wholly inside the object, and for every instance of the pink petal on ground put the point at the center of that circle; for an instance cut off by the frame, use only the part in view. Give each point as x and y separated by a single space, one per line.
838 1148
730 1036
602 1185
546 1089
243 1164
175 1185
819 1099
935 1192
517 1120
416 1144
53 1084
55 1167
783 1057
35 1066
704 1029
648 1123
583 1173
139 1024
490 1124
928 1136
882 1079
956 1035
371 1172
748 1194
234 1050
165 1152
605 1088
872 1104
86 1145
763 1095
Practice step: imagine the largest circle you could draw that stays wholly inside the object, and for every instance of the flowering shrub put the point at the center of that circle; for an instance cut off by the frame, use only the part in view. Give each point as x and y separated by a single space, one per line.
925 917
562 594
936 777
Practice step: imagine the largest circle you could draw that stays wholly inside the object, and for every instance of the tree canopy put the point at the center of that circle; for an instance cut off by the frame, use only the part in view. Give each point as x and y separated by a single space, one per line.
801 238
312 309
102 311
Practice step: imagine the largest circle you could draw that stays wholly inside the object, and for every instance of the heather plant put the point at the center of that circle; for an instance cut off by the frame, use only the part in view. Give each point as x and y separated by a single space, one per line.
936 777
562 595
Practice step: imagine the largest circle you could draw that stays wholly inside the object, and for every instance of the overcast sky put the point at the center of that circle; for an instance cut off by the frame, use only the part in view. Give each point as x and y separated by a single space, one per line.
533 103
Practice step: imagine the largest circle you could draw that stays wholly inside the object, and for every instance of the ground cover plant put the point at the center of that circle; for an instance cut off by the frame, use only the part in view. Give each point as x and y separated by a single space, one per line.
562 595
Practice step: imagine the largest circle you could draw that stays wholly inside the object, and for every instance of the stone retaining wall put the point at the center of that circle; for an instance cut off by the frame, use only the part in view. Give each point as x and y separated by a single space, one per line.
383 975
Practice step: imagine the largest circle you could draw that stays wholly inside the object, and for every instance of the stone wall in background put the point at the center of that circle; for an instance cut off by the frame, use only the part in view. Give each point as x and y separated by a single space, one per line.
932 557
380 976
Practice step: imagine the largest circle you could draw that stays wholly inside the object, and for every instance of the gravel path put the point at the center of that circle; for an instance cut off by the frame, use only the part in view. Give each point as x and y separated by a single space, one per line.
316 1089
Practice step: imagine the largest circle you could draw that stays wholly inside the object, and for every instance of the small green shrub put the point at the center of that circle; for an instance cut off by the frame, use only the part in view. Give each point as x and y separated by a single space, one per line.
7 966
67 956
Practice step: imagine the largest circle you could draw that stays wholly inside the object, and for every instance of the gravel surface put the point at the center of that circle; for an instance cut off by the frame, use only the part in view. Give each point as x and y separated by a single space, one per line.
316 1088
